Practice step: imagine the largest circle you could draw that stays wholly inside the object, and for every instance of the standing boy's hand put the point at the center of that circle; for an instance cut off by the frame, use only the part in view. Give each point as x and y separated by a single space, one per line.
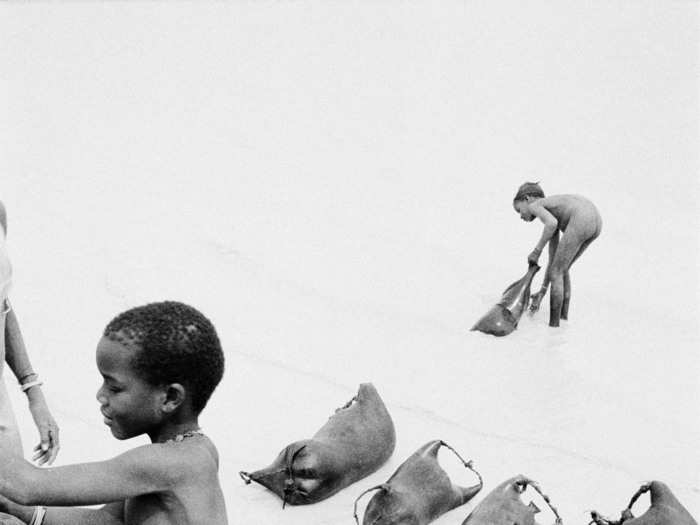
47 449
536 300
534 256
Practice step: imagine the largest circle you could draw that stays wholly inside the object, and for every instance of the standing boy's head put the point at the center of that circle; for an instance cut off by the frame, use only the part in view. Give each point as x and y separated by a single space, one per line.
528 189
160 362
527 192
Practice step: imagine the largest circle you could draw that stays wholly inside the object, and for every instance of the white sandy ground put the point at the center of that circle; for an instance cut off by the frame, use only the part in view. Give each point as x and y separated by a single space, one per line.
331 183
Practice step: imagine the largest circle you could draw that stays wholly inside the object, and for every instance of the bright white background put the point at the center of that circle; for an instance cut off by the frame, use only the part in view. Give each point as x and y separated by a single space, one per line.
331 183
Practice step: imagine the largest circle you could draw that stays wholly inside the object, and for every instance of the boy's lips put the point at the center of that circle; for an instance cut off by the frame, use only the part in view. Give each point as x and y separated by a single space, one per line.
107 419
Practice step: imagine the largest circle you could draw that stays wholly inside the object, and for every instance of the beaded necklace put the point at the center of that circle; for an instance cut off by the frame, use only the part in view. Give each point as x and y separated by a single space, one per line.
185 435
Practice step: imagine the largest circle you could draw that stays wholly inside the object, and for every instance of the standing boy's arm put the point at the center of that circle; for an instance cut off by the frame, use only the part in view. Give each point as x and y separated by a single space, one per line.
553 244
549 235
551 224
144 470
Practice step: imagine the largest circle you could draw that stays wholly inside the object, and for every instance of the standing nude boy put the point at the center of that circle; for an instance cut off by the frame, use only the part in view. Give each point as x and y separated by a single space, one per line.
580 224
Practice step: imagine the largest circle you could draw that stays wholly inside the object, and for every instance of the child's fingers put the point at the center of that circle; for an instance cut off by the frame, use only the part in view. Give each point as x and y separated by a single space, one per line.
45 437
44 458
39 454
48 459
47 455
47 449
53 452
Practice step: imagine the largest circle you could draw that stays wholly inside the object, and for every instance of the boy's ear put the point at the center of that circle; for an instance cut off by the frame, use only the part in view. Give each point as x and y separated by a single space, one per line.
174 397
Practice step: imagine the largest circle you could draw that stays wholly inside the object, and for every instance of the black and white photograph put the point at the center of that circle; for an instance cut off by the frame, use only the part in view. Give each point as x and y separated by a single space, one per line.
389 262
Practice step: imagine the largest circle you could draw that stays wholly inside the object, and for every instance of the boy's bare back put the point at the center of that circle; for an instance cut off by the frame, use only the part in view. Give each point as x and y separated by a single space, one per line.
195 496
569 207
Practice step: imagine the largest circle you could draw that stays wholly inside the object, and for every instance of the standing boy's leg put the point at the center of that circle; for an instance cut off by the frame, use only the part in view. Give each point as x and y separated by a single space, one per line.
556 298
567 279
567 296
569 246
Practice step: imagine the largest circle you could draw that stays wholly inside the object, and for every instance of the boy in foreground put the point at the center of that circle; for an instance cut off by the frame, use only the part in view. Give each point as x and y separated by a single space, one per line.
159 363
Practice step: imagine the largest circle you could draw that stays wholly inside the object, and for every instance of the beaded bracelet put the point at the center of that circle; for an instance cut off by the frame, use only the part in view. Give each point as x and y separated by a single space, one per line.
38 516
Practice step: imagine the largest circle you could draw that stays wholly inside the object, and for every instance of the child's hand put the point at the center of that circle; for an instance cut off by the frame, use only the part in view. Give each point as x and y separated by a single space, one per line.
47 449
536 299
534 256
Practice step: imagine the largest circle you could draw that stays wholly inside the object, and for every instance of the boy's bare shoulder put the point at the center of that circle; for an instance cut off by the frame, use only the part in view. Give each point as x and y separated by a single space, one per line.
174 461
197 453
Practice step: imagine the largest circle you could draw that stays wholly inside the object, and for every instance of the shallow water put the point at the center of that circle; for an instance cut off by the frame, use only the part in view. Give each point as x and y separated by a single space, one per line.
331 185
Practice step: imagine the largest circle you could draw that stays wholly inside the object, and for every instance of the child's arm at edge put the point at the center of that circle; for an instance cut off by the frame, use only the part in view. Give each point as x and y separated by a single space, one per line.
110 514
143 470
18 361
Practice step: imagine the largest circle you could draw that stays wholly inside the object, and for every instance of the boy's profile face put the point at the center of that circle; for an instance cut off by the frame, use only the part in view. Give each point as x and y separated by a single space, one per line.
522 207
130 405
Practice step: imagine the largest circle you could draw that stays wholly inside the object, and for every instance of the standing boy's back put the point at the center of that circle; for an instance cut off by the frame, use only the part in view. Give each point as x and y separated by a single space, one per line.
568 206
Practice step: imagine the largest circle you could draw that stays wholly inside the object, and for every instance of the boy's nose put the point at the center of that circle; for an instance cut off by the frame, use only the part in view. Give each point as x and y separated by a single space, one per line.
101 399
